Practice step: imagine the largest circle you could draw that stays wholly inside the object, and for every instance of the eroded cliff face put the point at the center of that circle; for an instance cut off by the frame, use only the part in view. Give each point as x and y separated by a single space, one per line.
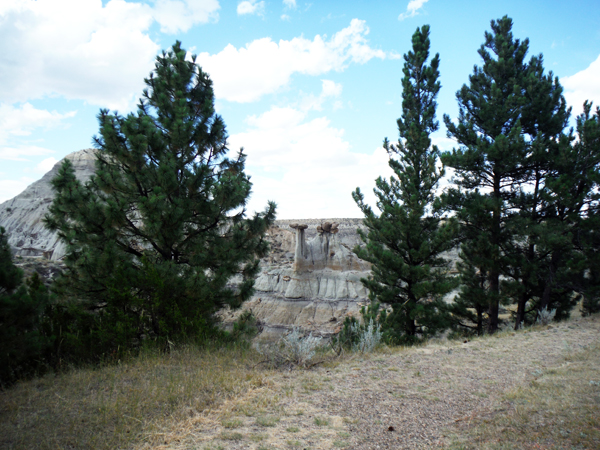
311 279
22 216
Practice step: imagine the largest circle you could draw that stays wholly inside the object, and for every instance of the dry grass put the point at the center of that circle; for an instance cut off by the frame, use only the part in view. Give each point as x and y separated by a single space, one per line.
558 409
117 406
523 395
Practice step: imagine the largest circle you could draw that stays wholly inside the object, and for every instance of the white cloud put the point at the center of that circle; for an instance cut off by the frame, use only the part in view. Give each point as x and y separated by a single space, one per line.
12 188
251 7
87 50
412 9
176 16
20 121
290 4
584 85
263 66
76 49
285 17
22 152
330 89
306 166
46 165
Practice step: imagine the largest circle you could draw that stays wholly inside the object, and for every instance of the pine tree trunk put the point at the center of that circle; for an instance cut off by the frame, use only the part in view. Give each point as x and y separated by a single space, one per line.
479 309
494 306
549 281
520 311
411 326
494 277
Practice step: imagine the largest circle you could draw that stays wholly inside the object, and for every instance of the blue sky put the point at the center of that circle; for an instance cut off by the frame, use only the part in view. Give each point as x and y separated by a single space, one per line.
309 89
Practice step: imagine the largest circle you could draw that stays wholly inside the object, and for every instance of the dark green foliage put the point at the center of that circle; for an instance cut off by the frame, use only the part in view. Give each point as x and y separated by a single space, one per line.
511 116
155 238
22 305
584 190
469 308
405 241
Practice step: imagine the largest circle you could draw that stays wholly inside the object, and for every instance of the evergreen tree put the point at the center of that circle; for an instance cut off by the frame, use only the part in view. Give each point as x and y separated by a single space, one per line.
158 239
541 240
510 117
469 308
22 344
578 190
405 241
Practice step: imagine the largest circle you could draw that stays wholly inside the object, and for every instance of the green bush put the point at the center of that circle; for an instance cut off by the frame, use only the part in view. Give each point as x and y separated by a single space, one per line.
22 307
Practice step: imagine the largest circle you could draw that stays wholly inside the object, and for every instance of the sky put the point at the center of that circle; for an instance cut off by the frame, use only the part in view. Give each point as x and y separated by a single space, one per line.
308 89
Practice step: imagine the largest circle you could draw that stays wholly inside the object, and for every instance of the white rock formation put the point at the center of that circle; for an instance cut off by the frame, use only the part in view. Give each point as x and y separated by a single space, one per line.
318 287
22 216
311 278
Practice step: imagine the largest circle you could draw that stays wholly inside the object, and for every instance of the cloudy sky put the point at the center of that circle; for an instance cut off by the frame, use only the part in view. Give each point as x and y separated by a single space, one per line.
309 89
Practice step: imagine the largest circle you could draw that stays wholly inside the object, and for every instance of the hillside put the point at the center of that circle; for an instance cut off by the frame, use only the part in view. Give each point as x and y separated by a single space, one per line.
538 388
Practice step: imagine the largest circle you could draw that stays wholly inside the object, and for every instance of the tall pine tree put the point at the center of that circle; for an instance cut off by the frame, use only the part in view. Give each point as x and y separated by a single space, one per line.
158 239
540 232
405 241
577 188
510 114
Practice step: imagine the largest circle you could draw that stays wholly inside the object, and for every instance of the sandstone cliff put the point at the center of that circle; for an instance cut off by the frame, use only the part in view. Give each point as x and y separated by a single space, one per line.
22 216
310 279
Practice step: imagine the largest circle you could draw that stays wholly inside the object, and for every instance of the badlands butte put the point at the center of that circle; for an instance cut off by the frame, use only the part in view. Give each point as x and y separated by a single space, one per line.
310 279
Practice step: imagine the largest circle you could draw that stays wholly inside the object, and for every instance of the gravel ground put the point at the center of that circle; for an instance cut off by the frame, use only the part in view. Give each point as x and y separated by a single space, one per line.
395 399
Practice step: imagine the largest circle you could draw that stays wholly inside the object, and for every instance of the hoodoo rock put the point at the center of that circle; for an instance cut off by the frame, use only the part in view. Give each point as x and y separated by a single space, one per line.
310 279
316 288
22 216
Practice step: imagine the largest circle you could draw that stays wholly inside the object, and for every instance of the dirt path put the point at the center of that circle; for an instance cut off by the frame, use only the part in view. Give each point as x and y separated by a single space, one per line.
403 399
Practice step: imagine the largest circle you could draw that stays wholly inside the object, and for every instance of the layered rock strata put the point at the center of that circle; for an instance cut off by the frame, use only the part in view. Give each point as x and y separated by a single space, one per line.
22 216
310 279
316 288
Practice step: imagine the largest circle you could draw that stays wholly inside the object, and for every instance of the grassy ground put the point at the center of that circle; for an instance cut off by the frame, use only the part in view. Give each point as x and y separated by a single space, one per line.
116 406
559 409
146 401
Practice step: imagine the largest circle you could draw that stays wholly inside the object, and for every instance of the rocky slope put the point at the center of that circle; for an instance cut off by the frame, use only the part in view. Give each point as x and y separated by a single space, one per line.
22 216
311 278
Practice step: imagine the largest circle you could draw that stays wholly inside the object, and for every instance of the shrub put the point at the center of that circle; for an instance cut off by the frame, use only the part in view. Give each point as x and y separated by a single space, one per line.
369 337
545 316
295 349
22 306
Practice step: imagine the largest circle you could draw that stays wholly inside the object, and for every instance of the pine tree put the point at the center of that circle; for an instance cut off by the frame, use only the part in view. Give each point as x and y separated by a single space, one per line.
509 115
578 190
22 344
541 242
469 308
405 241
158 239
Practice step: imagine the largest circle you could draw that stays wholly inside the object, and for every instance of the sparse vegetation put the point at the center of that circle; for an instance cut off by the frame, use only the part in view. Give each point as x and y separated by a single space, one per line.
545 316
369 337
294 349
117 405
322 421
134 402
559 408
